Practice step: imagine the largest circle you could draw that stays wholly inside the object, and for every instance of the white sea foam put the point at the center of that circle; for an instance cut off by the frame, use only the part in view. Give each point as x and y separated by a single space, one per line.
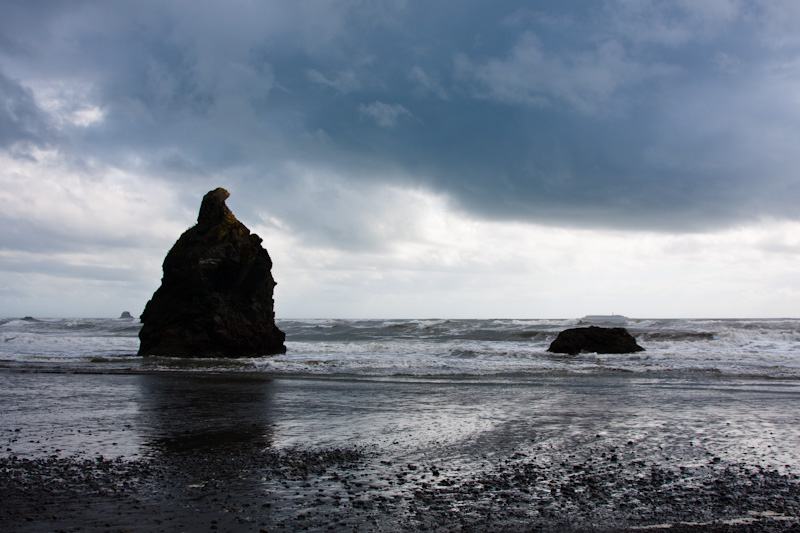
433 347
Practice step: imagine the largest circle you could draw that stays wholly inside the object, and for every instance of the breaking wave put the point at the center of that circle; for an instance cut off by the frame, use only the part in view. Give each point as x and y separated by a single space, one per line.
425 348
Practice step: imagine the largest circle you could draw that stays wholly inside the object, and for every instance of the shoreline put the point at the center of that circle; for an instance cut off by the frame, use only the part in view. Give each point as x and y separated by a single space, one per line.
180 451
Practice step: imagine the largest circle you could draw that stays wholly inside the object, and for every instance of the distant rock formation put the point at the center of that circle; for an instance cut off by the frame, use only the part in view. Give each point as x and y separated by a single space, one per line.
126 314
215 298
596 340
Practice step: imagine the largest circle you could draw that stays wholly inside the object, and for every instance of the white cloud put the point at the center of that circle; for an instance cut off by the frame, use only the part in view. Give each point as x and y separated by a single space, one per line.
85 204
385 115
324 209
427 84
67 230
341 250
345 81
68 103
672 24
441 262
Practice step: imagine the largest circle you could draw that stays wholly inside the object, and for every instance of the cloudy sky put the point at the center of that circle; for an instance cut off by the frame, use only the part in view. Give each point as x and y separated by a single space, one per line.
408 159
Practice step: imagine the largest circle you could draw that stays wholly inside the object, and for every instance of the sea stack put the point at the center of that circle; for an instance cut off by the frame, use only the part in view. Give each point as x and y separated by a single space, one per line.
215 298
594 340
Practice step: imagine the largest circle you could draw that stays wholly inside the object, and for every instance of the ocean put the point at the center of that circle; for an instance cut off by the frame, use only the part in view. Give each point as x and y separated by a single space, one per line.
501 348
403 425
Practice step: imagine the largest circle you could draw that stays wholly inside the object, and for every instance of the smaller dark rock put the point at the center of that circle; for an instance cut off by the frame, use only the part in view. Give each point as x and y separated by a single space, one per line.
594 340
125 314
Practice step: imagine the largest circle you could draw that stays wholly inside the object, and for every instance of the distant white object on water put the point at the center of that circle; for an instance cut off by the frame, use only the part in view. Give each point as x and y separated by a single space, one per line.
616 320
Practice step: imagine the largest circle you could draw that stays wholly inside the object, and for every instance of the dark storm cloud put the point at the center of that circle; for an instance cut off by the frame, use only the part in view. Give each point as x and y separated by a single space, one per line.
670 116
22 122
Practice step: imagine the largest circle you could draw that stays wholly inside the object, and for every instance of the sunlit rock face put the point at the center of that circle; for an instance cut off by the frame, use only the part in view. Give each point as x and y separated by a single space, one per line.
215 298
594 340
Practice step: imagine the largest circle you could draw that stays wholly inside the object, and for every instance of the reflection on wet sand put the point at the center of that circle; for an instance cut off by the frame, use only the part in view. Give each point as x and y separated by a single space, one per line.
181 413
187 451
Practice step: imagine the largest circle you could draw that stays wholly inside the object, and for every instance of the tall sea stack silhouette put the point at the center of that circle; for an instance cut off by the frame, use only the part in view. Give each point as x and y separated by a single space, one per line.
215 298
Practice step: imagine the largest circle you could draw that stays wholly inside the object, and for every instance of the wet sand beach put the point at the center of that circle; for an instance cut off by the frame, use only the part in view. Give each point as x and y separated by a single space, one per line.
174 451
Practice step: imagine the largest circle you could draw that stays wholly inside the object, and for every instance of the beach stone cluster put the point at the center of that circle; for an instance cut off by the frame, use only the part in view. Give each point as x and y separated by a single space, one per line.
216 294
595 487
594 339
